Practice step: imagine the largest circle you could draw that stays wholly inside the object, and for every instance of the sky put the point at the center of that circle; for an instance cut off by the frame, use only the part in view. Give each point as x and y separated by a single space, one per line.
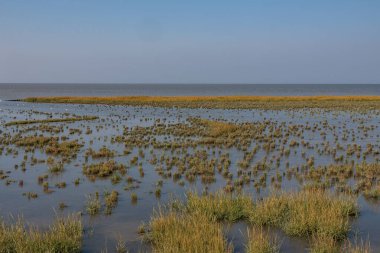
178 41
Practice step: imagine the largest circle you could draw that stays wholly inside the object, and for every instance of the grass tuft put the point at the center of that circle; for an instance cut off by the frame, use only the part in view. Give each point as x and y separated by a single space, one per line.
220 206
63 236
174 232
307 212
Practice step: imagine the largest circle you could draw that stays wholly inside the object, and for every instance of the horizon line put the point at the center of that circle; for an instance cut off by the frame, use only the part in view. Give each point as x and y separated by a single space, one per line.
175 83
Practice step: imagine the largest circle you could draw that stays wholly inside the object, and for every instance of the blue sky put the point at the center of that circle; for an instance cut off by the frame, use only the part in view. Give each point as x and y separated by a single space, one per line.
121 41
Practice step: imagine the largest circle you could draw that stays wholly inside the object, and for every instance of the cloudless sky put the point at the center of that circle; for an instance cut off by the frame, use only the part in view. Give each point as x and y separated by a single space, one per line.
178 41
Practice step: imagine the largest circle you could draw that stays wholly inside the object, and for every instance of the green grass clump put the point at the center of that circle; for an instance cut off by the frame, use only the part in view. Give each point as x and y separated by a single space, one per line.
259 241
307 212
63 236
174 232
220 206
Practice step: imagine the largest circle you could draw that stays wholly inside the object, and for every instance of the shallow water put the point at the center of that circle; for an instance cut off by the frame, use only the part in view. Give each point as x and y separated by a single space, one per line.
103 230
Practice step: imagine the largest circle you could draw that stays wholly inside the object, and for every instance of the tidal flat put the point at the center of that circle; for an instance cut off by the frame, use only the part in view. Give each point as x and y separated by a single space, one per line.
196 174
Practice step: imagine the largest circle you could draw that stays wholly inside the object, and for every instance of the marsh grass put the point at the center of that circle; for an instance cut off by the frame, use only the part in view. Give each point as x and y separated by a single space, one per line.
93 204
121 245
358 246
103 169
299 214
111 199
172 232
63 236
104 152
215 128
51 145
26 122
220 206
326 244
64 148
322 243
307 212
242 155
311 213
34 141
259 241
56 167
372 193
134 197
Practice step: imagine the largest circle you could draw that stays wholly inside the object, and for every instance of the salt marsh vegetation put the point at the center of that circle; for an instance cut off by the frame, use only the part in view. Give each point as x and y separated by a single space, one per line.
298 174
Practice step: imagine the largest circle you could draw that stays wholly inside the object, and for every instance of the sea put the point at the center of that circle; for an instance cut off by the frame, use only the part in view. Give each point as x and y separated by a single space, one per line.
18 91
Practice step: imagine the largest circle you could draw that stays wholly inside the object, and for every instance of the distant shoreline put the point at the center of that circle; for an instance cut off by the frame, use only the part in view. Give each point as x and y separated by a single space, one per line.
224 102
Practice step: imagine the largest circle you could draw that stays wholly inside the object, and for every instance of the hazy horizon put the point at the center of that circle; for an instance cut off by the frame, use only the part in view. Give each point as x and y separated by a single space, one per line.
197 42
